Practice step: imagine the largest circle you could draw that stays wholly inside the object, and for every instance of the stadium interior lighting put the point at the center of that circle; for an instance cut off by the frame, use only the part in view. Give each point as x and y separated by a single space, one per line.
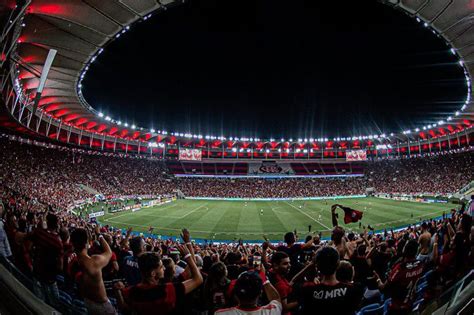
425 24
126 125
101 115
441 122
449 118
234 149
461 63
267 151
453 51
152 130
133 127
108 118
417 129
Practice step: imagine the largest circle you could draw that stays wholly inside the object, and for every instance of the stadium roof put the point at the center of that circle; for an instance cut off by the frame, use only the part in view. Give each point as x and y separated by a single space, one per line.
79 31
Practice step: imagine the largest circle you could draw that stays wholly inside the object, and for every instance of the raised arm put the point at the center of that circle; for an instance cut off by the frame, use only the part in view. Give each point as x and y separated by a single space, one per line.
103 259
196 277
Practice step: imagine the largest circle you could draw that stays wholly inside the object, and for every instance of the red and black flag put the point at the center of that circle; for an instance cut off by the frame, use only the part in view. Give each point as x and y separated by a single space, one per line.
350 215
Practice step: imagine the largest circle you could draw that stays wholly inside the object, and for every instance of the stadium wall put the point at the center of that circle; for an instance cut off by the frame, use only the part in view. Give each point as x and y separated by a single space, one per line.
275 199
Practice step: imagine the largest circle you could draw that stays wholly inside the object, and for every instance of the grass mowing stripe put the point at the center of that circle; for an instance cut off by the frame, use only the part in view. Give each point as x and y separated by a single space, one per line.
323 225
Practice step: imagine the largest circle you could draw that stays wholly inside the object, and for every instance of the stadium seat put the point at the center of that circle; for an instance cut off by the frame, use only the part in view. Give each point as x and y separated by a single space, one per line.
386 305
78 307
371 309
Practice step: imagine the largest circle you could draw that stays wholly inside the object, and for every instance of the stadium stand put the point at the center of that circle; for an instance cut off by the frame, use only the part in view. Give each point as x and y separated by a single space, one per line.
39 181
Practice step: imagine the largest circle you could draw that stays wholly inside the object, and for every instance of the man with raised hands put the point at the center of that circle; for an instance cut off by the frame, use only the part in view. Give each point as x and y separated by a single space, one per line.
152 297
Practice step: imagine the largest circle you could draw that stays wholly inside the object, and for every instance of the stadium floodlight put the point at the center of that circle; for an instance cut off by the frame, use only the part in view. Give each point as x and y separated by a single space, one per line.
126 125
453 51
463 107
305 140
418 19
161 145
234 149
441 122
267 151
449 118
326 139
391 134
133 127
108 118
461 63
251 139
119 122
291 140
305 151
297 150
282 140
429 126
425 24
424 127
101 114
434 125
152 130
300 140
311 140
241 150
417 129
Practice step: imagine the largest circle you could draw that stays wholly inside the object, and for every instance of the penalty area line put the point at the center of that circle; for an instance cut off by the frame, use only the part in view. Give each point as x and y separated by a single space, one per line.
320 223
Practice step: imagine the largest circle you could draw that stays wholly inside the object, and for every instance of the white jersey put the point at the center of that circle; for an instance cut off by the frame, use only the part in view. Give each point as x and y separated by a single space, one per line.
273 308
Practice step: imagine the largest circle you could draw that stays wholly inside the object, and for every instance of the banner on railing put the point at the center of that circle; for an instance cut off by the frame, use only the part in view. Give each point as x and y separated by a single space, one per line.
96 214
190 154
356 155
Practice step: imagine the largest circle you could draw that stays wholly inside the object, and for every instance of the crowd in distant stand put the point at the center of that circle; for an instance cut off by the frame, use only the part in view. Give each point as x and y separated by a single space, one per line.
59 176
79 267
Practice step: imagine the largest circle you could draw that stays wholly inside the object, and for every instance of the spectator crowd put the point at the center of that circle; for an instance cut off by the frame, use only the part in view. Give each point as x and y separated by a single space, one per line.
59 176
80 267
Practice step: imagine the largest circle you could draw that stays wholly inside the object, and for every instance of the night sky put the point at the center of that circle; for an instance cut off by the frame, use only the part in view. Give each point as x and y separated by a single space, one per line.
267 68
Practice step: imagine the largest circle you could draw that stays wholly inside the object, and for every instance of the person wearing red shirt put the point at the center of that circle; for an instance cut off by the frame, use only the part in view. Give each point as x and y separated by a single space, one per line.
280 268
47 259
150 296
402 280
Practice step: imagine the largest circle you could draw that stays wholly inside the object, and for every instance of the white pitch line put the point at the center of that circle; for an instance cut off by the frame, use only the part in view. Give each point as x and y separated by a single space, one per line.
194 210
322 224
127 212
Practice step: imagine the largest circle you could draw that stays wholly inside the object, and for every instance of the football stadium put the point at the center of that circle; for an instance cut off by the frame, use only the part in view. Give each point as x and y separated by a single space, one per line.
236 157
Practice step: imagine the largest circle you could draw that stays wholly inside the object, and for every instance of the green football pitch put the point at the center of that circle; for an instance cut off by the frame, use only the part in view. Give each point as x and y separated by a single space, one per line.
228 220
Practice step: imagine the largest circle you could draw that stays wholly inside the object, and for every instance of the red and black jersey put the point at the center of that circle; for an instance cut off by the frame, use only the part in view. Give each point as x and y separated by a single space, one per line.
401 285
158 299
